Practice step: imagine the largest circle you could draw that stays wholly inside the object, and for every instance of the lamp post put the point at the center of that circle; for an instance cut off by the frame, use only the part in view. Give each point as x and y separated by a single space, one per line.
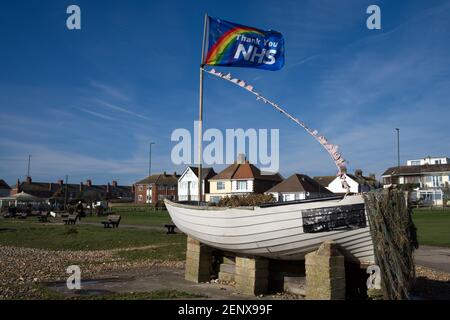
398 146
149 190
150 160
28 170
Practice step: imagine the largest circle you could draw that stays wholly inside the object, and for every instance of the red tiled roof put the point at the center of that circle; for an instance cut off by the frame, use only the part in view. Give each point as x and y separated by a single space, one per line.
245 171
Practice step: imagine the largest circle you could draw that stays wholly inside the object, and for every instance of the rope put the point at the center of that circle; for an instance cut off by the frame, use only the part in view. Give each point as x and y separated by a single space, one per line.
332 150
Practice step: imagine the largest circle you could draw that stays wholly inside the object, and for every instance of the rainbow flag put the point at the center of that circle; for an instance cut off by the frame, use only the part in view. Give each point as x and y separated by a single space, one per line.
234 45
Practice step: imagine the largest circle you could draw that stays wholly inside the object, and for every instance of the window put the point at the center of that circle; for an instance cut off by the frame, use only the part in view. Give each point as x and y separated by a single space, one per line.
415 163
437 181
220 185
215 199
140 197
241 185
141 188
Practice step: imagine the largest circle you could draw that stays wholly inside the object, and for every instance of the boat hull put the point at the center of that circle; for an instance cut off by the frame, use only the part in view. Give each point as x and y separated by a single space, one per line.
285 232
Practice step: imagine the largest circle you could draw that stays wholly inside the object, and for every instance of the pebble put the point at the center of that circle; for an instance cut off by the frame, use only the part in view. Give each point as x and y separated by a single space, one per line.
22 268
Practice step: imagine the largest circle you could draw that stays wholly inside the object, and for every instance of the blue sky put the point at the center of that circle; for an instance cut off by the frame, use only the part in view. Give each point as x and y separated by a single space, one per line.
87 103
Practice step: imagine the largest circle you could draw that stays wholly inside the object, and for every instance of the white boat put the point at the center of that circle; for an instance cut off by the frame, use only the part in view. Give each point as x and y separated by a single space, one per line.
285 231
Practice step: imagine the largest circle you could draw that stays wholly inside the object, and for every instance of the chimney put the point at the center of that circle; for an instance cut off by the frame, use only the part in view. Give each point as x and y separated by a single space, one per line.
358 173
165 173
49 186
29 179
89 183
241 158
114 183
175 173
60 182
81 186
108 187
18 185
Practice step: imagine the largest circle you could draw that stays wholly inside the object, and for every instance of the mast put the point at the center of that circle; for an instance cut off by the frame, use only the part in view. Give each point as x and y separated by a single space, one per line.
200 115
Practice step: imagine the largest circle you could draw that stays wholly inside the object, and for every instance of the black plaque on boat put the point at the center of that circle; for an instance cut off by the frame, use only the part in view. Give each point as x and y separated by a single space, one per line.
334 218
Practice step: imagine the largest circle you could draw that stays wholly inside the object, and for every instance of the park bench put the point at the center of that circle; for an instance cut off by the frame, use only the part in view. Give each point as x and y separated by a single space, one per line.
22 215
71 219
43 217
113 220
170 228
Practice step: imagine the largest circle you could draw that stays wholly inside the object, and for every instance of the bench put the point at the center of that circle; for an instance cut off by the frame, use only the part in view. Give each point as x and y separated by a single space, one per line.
113 221
170 228
43 217
71 219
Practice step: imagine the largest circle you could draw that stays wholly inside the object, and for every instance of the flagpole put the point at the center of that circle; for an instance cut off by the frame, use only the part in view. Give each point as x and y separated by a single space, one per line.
200 115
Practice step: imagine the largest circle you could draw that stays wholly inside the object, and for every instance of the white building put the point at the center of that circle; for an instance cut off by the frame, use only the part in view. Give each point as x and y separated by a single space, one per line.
357 183
428 160
188 183
429 177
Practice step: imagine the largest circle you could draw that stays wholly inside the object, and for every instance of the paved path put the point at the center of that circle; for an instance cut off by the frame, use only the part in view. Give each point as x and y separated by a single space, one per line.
152 279
433 257
134 226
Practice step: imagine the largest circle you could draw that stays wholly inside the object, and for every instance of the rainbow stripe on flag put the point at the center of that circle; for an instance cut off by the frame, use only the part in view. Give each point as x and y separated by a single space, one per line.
233 45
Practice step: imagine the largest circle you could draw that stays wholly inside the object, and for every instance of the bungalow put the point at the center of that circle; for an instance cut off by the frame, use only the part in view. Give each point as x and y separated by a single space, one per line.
357 182
240 178
188 183
298 187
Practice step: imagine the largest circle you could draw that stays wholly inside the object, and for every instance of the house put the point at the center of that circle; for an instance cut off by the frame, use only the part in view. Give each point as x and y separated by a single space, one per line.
240 178
428 177
428 160
298 187
5 189
358 182
188 183
59 192
156 187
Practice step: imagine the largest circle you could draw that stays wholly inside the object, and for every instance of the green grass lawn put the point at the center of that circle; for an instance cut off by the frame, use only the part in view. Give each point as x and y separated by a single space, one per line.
433 227
146 218
32 234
